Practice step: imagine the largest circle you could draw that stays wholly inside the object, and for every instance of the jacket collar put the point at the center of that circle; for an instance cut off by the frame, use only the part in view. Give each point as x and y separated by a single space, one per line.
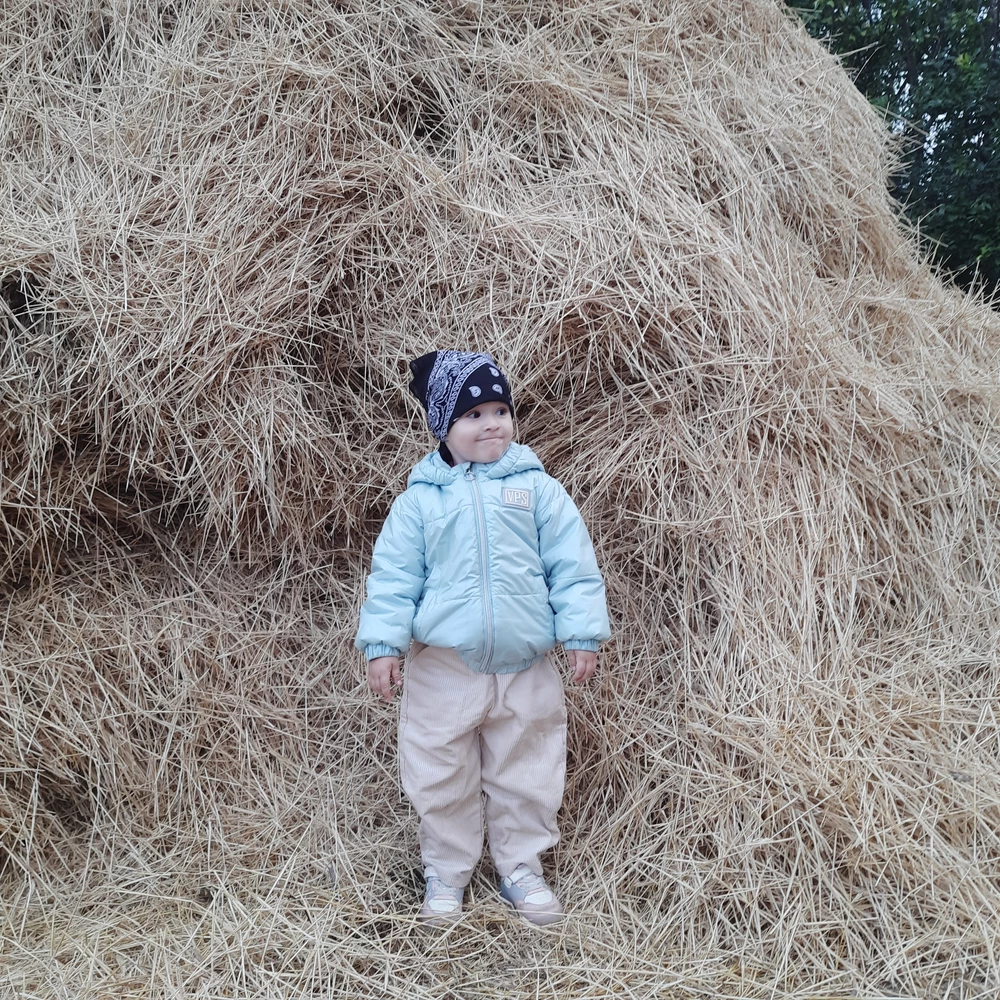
433 468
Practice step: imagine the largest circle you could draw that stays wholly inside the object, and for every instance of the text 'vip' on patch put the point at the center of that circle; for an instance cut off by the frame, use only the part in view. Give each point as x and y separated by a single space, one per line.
517 498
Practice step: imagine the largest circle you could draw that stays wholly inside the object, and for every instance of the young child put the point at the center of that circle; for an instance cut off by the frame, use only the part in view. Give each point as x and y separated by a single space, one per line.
483 564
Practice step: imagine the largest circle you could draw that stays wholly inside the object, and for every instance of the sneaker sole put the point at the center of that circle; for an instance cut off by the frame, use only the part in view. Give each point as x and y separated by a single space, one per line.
538 918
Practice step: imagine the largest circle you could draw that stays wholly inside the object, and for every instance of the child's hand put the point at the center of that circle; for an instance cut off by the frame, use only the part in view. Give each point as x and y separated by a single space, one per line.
383 675
583 662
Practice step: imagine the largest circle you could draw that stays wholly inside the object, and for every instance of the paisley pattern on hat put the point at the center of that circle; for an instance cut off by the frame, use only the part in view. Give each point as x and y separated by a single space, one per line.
451 369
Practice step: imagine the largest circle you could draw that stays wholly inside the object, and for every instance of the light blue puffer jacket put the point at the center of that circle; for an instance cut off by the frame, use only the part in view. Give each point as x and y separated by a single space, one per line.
491 560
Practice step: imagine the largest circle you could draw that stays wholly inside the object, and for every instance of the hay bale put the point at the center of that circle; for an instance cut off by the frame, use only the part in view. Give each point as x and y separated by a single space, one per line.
223 228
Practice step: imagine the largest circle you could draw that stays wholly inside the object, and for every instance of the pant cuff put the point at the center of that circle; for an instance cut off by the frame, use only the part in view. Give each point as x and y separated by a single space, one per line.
505 868
457 878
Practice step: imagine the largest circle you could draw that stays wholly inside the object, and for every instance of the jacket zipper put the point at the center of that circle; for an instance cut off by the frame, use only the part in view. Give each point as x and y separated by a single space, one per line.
483 557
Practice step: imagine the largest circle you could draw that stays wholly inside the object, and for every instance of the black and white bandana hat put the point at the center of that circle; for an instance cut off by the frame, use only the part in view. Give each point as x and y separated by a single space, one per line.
450 383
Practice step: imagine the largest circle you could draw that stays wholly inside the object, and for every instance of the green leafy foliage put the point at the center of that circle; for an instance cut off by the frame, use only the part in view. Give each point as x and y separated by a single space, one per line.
934 68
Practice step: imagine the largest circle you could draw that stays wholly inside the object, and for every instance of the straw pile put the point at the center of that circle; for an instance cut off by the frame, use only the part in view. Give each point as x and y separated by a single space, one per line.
223 228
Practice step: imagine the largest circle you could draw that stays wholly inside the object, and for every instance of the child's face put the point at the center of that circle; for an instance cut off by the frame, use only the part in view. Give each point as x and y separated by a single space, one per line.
481 434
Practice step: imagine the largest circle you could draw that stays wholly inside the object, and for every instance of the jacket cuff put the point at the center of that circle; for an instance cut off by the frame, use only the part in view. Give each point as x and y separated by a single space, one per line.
591 645
376 649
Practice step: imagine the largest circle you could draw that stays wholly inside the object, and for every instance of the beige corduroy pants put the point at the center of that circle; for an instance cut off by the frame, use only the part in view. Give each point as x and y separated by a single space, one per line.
463 735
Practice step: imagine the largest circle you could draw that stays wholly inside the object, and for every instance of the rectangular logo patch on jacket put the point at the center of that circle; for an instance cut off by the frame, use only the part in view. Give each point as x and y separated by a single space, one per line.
517 498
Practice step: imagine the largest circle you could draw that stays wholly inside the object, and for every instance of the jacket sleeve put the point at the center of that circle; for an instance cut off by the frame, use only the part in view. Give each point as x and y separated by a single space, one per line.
395 582
576 589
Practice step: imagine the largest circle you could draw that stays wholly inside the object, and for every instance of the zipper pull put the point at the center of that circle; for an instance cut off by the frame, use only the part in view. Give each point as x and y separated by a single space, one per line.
469 474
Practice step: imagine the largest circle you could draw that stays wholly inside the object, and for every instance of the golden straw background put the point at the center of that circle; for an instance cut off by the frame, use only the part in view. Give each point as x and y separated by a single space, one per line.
224 226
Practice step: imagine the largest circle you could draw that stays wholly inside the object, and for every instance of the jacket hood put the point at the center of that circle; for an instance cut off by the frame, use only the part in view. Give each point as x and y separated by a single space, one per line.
433 468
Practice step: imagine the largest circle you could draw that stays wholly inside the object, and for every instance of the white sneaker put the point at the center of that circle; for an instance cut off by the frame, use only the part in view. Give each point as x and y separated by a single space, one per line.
442 902
531 896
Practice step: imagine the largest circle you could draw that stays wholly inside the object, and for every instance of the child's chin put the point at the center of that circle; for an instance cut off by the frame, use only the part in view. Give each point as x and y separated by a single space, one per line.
491 453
